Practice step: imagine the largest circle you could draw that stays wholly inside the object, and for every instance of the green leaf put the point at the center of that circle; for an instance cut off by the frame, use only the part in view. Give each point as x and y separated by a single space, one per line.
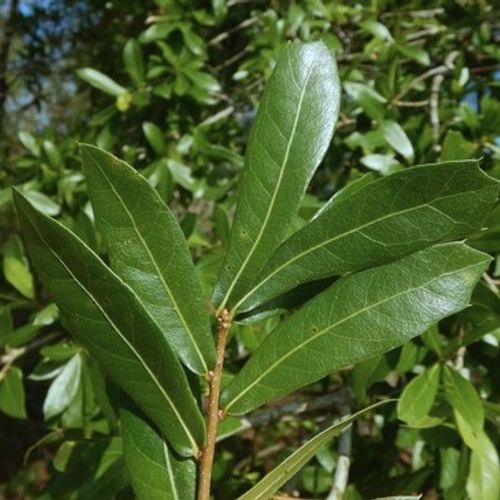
43 203
16 268
52 153
463 398
101 81
396 137
63 389
155 261
265 488
419 395
154 470
359 316
106 316
484 474
378 222
29 142
155 137
285 147
12 398
133 61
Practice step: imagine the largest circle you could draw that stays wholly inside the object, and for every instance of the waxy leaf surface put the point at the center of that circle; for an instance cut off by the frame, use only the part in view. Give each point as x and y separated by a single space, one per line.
291 133
148 251
378 222
359 316
106 316
154 470
271 483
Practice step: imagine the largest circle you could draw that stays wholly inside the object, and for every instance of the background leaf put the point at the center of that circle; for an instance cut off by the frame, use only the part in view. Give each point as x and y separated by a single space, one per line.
419 395
12 397
463 398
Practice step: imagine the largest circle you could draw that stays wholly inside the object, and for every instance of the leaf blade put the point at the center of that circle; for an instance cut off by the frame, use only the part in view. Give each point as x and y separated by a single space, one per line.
369 226
104 314
155 262
289 467
398 301
284 149
153 468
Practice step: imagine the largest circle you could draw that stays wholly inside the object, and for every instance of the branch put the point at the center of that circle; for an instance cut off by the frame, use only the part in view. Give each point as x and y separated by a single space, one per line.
214 413
341 477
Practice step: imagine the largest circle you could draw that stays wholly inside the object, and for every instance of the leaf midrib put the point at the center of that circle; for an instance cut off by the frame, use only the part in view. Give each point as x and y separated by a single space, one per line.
348 233
117 330
153 261
278 185
170 472
338 323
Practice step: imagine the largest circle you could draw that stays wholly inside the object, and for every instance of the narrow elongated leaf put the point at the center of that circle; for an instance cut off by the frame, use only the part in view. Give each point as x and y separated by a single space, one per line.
15 267
12 397
265 488
291 133
378 222
464 399
359 316
133 60
397 138
64 388
101 81
105 315
154 470
148 251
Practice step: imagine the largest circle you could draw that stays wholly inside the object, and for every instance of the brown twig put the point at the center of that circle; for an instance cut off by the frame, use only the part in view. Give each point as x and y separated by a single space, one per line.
214 413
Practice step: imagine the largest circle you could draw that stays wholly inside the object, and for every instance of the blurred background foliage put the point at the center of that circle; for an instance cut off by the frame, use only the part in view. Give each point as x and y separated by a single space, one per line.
172 87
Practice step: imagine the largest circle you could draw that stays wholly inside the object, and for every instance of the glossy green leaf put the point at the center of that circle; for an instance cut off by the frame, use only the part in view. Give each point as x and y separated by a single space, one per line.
396 137
463 398
16 268
12 398
133 60
106 316
378 222
155 137
292 130
359 316
101 81
266 487
63 389
419 395
148 251
154 470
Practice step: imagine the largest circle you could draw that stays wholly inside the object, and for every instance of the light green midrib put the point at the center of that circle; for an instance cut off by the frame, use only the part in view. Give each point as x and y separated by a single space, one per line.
335 325
117 330
153 261
275 194
170 471
343 235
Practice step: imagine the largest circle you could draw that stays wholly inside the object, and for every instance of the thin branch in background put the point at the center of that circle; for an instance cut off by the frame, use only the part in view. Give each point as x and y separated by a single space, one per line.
225 34
437 81
341 477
